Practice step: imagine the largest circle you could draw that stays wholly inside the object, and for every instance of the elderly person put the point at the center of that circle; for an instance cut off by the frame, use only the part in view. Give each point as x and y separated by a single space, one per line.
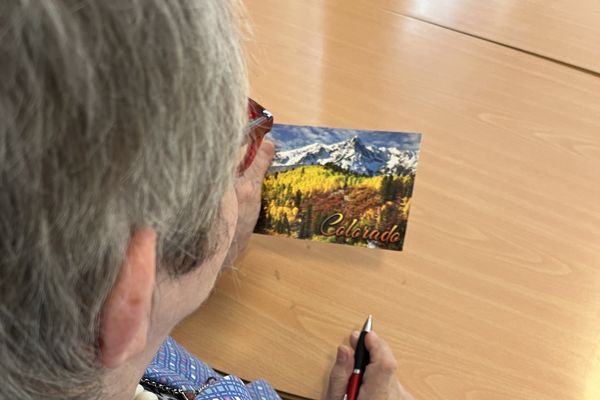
122 126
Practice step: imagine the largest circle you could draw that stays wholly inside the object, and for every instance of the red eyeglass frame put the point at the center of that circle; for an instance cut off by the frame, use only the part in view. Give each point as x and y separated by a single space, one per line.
260 123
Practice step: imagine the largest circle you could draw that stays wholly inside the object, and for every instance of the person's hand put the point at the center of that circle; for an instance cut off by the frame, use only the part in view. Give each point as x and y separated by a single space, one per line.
247 190
379 382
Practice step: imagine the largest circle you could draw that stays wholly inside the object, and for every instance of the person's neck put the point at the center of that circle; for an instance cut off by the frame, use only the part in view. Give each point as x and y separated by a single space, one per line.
120 383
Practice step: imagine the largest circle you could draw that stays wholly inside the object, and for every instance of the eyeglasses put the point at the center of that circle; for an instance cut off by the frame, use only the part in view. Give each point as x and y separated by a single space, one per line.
260 123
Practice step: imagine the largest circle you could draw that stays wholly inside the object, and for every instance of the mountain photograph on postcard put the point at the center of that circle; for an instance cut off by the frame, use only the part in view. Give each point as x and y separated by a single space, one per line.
339 185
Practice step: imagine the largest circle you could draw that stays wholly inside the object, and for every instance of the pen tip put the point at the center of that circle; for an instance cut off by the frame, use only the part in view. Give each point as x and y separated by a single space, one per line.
368 324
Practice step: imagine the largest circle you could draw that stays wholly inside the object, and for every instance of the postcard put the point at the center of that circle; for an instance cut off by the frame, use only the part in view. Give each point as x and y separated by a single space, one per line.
340 185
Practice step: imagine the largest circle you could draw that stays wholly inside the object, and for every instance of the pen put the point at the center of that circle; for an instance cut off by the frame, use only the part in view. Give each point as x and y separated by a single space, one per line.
361 360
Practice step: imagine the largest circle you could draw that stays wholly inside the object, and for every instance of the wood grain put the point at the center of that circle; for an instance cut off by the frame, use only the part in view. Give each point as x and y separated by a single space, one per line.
497 293
563 30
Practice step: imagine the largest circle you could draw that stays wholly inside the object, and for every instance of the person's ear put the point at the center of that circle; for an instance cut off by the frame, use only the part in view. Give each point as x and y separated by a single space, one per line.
125 317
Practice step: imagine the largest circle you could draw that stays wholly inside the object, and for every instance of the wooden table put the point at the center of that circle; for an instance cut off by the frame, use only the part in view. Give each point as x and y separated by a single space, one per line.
497 293
561 30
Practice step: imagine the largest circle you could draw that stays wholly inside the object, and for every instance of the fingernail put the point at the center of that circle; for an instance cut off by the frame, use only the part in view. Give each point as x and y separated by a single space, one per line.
341 356
355 334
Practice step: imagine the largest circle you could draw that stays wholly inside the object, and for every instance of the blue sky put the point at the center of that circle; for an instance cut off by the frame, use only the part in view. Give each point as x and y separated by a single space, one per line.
287 137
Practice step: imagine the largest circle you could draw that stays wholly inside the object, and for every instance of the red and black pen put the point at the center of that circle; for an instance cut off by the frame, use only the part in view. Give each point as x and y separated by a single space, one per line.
361 360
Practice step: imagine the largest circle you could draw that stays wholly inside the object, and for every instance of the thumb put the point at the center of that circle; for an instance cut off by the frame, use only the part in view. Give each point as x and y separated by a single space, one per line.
340 373
262 160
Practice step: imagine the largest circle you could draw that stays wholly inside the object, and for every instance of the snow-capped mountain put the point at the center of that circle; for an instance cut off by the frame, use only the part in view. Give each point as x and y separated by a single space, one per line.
352 155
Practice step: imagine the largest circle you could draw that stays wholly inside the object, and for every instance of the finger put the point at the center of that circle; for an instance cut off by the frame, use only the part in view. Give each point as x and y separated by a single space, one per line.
381 371
264 155
379 350
340 373
354 339
268 147
251 179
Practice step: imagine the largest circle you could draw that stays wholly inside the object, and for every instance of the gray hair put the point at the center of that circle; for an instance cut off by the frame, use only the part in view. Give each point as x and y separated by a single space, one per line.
114 115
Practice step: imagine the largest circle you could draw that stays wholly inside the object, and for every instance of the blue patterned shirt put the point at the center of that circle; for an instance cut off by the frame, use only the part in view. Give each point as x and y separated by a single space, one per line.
174 373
